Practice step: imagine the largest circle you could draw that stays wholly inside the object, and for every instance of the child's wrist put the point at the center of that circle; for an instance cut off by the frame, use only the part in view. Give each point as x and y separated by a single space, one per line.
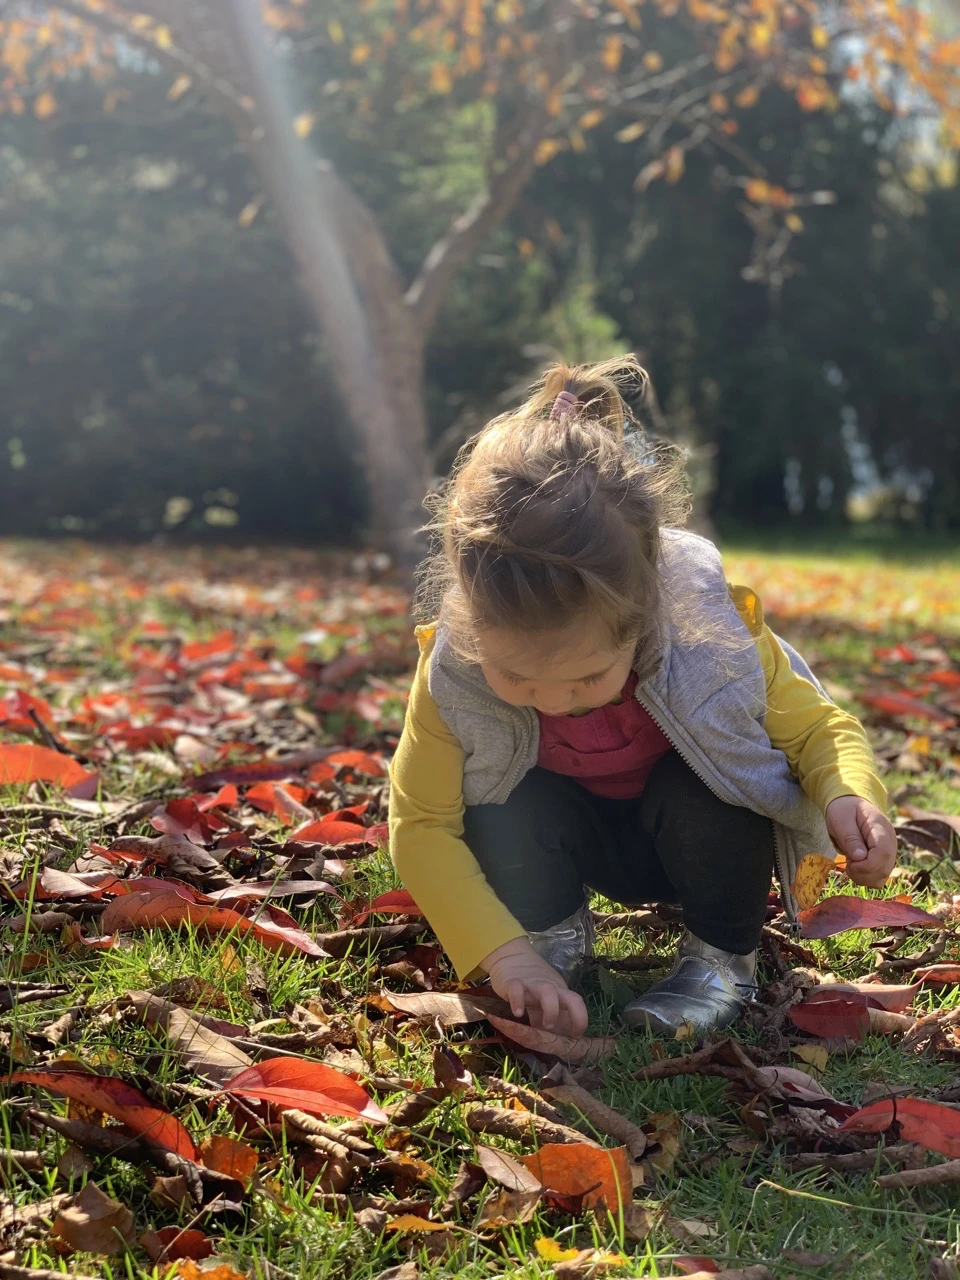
519 946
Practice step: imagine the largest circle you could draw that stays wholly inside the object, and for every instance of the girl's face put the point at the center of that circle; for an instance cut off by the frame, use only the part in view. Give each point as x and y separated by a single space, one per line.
576 670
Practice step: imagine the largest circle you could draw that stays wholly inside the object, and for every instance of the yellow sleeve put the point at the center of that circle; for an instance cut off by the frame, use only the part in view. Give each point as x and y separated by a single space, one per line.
826 747
426 836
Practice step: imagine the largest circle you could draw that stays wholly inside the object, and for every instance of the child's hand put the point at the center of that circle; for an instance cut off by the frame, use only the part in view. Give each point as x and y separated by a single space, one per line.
534 987
863 833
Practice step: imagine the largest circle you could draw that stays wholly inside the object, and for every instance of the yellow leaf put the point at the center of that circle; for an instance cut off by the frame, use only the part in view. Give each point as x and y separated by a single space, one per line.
547 148
590 119
818 66
611 54
652 61
758 191
440 79
649 173
45 105
303 124
162 37
409 1222
719 103
675 162
747 97
552 1251
819 37
812 874
794 222
554 102
759 37
946 171
247 215
632 131
335 31
948 54
179 88
359 54
814 1055
577 141
527 247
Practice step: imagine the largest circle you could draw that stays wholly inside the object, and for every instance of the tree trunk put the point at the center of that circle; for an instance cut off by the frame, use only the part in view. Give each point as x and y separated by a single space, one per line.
374 344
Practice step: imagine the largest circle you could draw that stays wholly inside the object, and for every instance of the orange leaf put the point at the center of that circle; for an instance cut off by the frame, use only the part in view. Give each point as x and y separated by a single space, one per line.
397 900
305 1085
409 1222
227 1155
170 1243
24 762
813 872
283 801
44 105
330 830
357 761
115 1098
600 1175
836 915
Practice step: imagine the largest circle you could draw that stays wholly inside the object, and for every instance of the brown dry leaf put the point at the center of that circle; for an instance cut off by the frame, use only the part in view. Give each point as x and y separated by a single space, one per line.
507 1208
509 1172
171 1193
95 1224
639 1220
580 1049
451 1007
663 1131
170 1243
203 1052
227 1155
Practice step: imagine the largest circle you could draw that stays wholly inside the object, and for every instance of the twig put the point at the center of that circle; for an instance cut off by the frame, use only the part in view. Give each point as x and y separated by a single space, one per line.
700 1063
14 1161
854 1161
532 1101
520 1125
50 739
931 1176
598 1113
17 993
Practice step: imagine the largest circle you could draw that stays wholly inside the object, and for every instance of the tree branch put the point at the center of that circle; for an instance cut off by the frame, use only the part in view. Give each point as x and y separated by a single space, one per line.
467 232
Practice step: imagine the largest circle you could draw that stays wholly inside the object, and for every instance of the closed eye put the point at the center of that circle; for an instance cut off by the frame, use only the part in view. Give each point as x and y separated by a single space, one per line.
592 680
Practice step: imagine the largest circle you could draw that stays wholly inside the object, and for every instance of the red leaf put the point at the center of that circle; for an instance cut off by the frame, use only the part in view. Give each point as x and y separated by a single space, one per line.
118 1099
225 798
900 704
170 1243
308 1086
690 1266
836 915
24 762
397 900
283 802
930 1124
15 711
875 995
832 1018
358 762
173 910
332 831
183 817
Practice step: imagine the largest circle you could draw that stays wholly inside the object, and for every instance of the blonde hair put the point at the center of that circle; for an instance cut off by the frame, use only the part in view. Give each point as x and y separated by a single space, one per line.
553 514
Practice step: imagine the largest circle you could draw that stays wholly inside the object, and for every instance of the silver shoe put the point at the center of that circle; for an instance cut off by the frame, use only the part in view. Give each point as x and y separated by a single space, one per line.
706 989
566 945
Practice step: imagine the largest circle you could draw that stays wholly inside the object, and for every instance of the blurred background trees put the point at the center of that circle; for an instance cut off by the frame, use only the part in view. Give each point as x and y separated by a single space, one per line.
778 243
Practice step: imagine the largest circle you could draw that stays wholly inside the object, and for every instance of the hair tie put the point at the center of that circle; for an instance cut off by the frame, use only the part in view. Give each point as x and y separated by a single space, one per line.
566 401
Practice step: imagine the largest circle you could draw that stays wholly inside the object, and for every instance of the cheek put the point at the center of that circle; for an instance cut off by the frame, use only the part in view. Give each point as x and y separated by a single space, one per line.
504 689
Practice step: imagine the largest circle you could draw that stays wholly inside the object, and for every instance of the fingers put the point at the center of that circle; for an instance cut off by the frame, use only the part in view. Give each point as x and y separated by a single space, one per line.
574 1013
516 996
846 833
549 998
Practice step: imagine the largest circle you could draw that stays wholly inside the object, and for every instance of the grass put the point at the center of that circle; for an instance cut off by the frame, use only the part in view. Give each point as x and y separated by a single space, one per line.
752 1207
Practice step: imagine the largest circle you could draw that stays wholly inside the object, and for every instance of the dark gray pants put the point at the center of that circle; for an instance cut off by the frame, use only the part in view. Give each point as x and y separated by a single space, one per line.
676 843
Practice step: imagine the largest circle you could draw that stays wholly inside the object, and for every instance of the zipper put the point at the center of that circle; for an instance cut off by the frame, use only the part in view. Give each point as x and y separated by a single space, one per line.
793 925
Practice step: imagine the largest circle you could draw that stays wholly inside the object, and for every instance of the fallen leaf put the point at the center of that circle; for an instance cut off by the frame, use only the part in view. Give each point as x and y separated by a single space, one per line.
837 915
313 1087
813 872
452 1008
187 1269
170 1243
580 1049
334 831
397 900
115 1098
408 1223
202 1051
95 1224
597 1174
553 1251
507 1208
929 1124
509 1172
832 1019
901 704
877 995
236 1159
25 762
938 973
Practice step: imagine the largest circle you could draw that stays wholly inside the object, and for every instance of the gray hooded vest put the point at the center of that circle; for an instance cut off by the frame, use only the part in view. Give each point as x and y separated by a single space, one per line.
708 697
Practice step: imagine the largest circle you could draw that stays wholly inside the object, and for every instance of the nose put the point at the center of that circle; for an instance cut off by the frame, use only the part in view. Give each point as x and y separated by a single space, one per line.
554 709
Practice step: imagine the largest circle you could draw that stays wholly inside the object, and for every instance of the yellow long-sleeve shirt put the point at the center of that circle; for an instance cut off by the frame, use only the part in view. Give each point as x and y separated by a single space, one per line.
826 747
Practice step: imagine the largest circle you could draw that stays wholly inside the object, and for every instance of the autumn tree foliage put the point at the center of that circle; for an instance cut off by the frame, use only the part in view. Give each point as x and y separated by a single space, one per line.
526 79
